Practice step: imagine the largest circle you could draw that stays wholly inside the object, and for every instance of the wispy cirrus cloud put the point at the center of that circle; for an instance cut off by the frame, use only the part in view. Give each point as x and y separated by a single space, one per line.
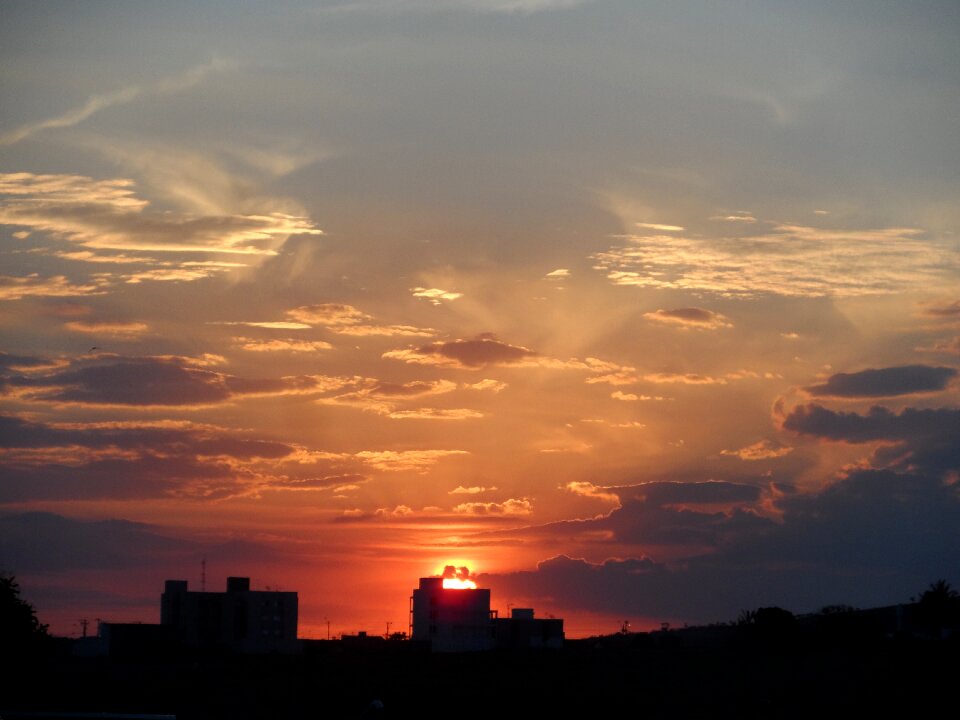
405 460
282 345
689 317
115 330
107 215
486 350
130 459
348 320
945 310
788 260
948 347
435 414
479 352
33 285
123 96
393 399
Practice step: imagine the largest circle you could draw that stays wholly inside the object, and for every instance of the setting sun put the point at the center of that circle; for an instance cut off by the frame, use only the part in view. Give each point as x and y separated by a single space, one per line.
458 584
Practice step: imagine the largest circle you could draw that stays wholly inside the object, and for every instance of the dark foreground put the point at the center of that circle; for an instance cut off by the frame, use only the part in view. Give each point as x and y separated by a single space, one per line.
635 675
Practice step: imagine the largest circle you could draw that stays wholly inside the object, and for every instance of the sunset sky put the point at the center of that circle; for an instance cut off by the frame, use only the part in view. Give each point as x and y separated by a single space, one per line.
640 310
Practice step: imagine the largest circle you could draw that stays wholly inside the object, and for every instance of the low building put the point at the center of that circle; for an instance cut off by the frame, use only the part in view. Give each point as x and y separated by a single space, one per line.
460 620
241 619
451 620
523 630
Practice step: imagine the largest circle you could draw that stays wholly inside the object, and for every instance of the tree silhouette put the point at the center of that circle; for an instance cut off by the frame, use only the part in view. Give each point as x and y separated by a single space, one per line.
19 628
939 607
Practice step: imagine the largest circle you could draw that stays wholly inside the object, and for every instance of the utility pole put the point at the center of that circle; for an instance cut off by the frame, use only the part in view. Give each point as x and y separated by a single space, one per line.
328 627
203 575
83 626
387 636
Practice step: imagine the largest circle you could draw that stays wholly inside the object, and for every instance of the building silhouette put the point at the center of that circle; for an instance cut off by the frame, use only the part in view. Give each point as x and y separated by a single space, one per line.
460 620
244 620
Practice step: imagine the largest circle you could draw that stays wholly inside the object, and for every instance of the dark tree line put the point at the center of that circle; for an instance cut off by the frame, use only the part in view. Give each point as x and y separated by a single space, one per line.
20 629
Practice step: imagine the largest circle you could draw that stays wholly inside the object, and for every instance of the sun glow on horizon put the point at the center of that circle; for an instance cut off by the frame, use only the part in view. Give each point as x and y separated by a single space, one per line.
457 578
458 584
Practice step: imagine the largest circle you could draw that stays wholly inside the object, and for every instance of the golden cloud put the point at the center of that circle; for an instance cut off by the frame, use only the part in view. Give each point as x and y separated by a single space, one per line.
405 460
789 260
689 317
762 450
511 507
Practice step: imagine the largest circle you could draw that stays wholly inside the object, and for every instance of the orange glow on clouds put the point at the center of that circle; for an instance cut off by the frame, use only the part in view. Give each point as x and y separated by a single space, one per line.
457 578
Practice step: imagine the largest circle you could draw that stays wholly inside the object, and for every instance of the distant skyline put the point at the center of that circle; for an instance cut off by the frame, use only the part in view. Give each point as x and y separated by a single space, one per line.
638 310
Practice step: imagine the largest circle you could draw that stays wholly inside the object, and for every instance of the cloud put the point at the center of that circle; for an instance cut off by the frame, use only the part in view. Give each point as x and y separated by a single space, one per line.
348 320
32 285
107 215
435 414
691 317
405 460
385 397
268 324
872 538
633 397
684 379
116 330
698 493
885 382
762 450
949 347
741 216
927 440
123 96
626 376
26 363
789 260
943 310
128 459
39 542
511 507
435 295
662 228
669 515
397 512
473 490
110 380
588 489
479 352
286 345
329 315
494 386
558 274
388 399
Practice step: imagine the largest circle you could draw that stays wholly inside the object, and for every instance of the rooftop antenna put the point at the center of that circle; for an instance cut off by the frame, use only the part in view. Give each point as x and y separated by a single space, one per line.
203 575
